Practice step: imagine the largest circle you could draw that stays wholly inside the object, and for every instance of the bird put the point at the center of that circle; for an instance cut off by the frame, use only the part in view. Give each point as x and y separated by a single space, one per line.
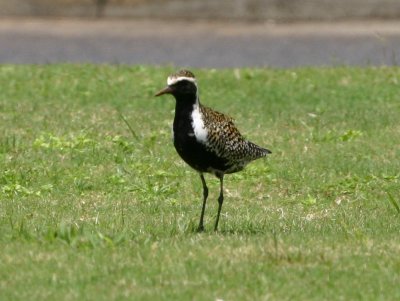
207 140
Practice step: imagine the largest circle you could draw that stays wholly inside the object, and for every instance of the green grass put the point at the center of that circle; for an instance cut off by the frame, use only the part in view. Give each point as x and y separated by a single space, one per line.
93 210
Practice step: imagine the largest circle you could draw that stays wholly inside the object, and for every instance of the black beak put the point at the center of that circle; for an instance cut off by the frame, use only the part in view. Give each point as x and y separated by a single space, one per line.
166 90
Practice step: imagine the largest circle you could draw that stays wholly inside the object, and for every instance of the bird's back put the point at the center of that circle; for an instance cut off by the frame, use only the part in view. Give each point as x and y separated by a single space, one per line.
225 140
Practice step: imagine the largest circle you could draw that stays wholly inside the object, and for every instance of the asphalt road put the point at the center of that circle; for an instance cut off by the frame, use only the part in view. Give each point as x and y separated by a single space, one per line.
199 44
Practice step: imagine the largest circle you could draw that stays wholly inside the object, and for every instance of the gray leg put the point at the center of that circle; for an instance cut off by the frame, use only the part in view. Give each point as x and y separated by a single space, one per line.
220 200
205 195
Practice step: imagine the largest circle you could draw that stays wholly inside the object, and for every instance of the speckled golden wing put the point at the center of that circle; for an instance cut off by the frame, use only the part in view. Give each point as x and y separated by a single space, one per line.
226 141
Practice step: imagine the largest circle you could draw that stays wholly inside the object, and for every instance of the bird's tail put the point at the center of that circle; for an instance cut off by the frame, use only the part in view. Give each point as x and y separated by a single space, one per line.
257 151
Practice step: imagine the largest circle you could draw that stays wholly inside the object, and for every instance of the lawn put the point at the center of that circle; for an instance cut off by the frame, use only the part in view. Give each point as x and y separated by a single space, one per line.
94 209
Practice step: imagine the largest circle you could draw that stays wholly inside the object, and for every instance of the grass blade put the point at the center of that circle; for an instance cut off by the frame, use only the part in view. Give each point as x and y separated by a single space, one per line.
393 201
135 136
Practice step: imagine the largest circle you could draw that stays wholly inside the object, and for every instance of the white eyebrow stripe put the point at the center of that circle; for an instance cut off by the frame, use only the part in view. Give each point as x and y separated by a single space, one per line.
174 80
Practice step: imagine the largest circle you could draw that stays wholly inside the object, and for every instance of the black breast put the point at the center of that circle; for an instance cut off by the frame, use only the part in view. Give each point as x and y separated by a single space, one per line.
191 151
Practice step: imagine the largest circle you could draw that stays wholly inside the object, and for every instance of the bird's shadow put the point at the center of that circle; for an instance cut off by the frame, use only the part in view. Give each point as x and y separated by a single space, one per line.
249 231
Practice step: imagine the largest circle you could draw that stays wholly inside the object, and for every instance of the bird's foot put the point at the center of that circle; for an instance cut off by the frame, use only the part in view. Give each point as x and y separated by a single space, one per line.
200 229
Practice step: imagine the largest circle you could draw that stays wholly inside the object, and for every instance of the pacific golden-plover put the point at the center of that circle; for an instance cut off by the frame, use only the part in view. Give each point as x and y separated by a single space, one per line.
205 139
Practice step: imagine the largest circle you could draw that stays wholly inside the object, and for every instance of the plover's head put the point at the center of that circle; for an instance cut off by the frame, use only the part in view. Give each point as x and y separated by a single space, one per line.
182 83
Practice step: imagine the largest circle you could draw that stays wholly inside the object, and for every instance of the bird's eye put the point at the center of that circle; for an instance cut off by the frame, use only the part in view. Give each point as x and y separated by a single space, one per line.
183 85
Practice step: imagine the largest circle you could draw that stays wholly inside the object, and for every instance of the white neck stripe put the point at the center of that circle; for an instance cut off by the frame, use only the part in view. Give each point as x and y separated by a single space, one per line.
199 129
174 80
